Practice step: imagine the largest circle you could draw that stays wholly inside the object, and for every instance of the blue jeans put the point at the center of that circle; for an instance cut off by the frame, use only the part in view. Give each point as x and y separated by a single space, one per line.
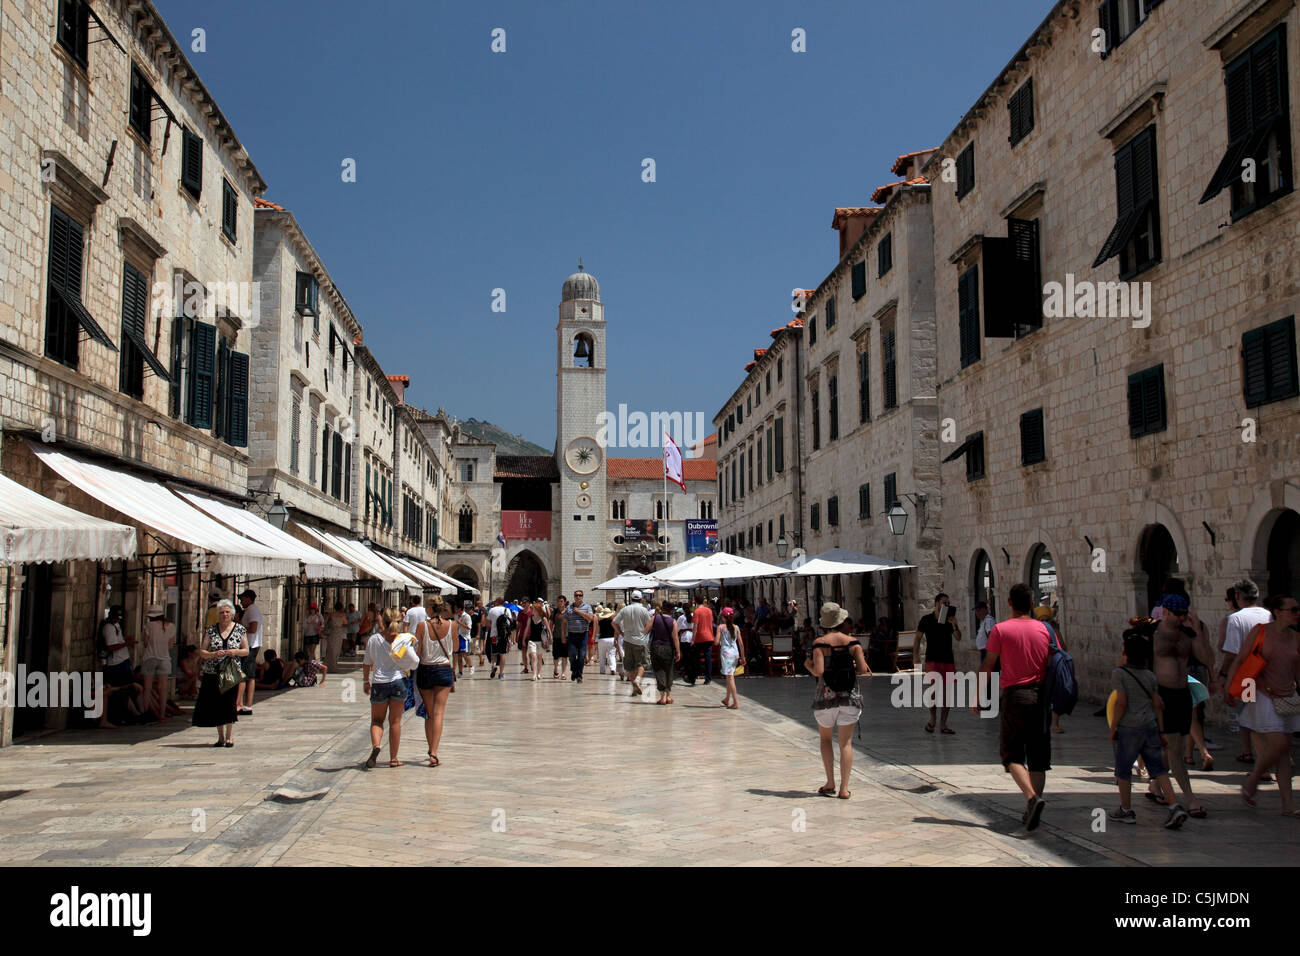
705 652
577 653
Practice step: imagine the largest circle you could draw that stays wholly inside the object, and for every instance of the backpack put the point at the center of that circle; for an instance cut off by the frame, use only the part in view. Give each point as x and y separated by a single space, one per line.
1060 687
505 624
841 673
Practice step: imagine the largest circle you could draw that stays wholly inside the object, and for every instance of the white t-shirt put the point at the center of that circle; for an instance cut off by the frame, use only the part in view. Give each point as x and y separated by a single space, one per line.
684 628
465 622
493 614
1241 623
982 632
253 613
113 635
354 623
157 636
381 656
414 616
634 621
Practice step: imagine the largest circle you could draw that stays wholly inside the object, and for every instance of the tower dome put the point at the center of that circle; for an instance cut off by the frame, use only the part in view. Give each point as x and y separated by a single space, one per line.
580 285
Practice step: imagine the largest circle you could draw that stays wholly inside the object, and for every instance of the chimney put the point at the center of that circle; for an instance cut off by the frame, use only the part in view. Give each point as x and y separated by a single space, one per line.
852 222
399 383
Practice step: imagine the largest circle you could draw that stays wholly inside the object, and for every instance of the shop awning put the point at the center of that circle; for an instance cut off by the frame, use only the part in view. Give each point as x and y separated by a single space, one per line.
318 565
412 570
364 560
447 578
152 504
37 530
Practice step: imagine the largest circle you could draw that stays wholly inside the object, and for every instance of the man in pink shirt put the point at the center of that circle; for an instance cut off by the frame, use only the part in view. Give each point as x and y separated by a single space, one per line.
1021 644
702 644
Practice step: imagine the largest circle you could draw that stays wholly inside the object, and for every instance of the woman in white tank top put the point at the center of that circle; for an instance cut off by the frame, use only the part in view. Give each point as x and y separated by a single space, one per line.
436 640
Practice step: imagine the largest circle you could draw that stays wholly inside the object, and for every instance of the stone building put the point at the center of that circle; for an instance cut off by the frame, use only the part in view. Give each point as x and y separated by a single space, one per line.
1115 244
126 303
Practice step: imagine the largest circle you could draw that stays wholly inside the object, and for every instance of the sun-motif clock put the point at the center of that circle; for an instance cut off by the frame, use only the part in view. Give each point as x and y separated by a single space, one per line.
584 500
583 455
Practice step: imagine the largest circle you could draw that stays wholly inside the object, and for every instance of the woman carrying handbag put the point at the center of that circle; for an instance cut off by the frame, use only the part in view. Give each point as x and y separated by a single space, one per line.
435 678
222 649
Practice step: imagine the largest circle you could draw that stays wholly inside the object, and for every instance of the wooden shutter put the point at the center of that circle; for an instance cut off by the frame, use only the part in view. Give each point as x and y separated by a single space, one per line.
180 336
968 312
1032 444
780 444
1254 367
1108 20
1266 80
192 162
347 473
891 490
336 472
891 370
202 375
325 448
859 280
1280 346
238 390
65 251
295 442
864 501
1153 399
864 386
885 254
1136 422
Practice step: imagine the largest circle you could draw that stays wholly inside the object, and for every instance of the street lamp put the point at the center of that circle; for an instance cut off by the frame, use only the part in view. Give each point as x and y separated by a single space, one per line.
782 546
278 514
897 519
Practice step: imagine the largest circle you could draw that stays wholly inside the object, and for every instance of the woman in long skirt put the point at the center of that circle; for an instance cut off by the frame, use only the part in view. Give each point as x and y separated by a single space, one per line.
224 639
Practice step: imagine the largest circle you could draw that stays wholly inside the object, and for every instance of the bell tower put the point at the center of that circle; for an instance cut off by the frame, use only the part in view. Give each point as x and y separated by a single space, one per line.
580 401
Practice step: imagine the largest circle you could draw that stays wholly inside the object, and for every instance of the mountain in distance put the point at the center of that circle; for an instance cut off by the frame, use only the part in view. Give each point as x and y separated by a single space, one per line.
507 443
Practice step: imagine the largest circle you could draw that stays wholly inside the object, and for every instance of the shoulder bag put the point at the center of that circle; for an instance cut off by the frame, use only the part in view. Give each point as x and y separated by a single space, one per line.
1251 666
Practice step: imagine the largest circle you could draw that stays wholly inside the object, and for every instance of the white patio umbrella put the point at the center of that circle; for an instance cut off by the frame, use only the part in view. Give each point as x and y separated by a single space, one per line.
843 561
719 567
629 580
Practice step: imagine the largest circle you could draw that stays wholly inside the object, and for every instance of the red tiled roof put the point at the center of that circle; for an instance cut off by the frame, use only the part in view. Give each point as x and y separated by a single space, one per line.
260 203
903 161
792 324
526 466
693 469
843 213
712 439
749 367
759 353
884 192
404 379
356 340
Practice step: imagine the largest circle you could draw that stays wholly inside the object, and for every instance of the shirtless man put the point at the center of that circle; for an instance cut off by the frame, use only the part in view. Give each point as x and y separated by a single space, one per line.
1176 636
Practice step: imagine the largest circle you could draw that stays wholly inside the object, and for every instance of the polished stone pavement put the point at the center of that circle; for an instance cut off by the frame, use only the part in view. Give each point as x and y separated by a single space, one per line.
552 772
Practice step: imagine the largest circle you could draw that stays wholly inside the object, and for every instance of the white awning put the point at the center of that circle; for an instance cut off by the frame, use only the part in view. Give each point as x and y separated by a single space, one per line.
719 566
318 565
412 570
458 585
364 560
37 529
152 504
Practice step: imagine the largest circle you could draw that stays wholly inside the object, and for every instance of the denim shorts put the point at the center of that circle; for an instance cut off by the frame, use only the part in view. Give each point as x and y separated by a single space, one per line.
389 690
1130 742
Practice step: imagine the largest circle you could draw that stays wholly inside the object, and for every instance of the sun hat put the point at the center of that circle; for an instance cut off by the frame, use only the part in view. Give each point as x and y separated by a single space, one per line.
832 615
605 613
155 610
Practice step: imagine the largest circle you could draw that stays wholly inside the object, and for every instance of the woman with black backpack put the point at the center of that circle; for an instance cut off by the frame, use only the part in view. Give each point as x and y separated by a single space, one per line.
836 662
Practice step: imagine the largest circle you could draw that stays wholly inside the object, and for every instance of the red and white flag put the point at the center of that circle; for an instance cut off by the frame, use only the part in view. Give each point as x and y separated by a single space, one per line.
673 462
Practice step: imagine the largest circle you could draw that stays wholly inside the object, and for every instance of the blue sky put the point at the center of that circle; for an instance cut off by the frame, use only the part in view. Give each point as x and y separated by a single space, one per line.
479 170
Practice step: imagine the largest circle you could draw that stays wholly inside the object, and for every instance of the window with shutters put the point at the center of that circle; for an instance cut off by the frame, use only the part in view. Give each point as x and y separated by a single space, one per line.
295 440
968 316
768 381
229 210
833 407
751 467
1020 110
306 294
779 430
1135 237
369 494
889 367
237 399
740 413
336 473
884 255
780 369
1012 289
325 448
1033 447
74 29
1146 402
832 511
965 171
202 375
135 306
815 516
864 501
812 330
864 387
781 525
770 461
975 456
1268 363
891 490
830 313
62 328
311 449
858 280
141 104
192 163
816 420
1256 169
1119 18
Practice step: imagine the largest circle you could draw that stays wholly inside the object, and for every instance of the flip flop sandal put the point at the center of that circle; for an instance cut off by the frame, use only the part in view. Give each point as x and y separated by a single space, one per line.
374 754
929 728
1198 814
946 730
394 763
1247 797
826 791
434 761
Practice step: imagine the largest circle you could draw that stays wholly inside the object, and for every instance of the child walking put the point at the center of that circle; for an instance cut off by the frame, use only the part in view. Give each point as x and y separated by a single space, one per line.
1135 728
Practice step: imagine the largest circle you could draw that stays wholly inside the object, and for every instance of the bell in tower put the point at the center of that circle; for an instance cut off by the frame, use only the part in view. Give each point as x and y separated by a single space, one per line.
582 353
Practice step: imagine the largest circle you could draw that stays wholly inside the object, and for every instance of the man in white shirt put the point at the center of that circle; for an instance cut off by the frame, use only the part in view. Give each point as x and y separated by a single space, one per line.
415 615
1240 624
252 621
497 645
465 625
632 640
986 623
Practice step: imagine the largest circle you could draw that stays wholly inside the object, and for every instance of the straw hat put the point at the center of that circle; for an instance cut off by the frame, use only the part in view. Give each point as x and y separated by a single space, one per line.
604 613
832 615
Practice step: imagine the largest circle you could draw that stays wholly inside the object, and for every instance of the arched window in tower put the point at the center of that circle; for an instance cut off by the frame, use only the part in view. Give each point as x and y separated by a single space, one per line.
584 351
466 524
659 510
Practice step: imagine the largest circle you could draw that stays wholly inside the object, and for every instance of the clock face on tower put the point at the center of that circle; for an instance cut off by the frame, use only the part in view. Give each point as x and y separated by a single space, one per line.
583 455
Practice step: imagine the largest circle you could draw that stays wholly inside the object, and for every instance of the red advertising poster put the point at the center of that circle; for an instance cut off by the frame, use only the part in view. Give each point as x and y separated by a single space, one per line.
526 525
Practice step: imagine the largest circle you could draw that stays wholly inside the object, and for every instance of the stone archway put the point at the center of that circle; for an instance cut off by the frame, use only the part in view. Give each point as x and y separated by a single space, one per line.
1157 559
465 575
525 577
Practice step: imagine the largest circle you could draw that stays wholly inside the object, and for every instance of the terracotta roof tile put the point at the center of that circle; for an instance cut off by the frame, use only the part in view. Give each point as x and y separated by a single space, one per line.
792 324
884 192
759 353
260 203
749 367
526 466
404 379
844 213
904 161
693 469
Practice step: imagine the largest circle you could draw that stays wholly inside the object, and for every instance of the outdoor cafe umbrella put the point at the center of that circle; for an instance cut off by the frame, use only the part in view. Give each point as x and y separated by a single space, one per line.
843 561
628 580
721 567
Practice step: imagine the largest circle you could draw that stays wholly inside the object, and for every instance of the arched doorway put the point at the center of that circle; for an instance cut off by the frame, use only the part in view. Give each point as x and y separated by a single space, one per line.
983 587
1042 577
1158 560
1283 554
525 577
464 574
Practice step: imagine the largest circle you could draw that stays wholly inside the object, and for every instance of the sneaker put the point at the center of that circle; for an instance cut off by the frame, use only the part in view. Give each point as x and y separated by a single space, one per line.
1034 812
1121 815
471 671
1177 816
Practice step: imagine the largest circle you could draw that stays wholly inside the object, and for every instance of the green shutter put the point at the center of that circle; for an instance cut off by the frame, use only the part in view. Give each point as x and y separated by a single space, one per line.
238 405
202 375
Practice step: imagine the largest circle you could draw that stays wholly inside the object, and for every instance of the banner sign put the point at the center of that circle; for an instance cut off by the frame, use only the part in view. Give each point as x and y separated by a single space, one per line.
526 525
701 535
639 529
